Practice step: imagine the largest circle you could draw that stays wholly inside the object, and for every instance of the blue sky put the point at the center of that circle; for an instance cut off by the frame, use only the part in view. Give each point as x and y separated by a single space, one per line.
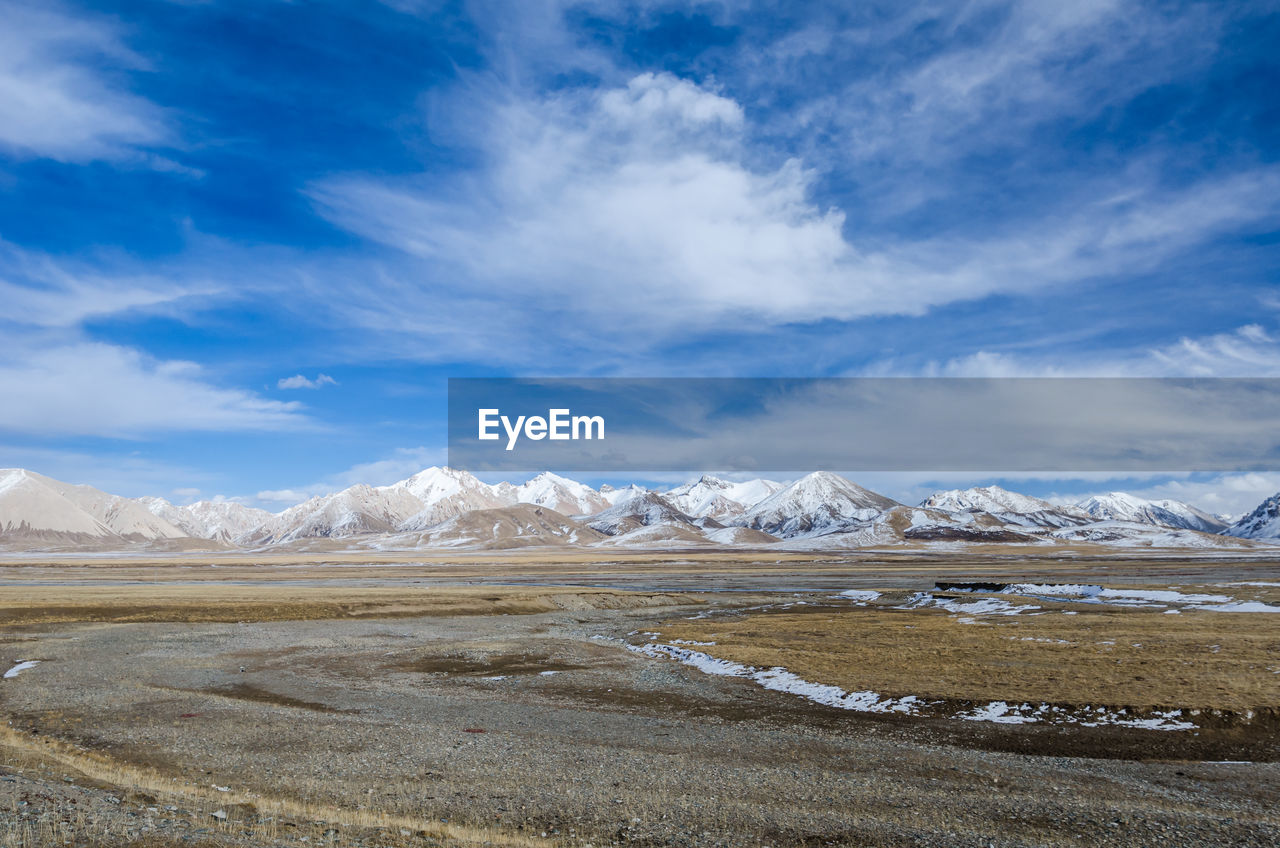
202 200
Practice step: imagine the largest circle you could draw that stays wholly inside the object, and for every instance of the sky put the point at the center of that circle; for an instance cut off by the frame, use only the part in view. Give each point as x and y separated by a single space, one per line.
243 245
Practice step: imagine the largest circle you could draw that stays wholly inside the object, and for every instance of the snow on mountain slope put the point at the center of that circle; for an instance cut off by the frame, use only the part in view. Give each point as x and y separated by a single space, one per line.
1121 506
32 505
819 503
1262 523
739 536
443 493
658 535
1010 507
561 494
123 516
641 510
1192 518
616 496
1140 534
351 512
711 497
519 526
901 524
221 521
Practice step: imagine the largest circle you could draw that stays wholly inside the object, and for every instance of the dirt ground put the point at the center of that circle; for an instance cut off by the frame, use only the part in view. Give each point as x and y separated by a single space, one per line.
494 700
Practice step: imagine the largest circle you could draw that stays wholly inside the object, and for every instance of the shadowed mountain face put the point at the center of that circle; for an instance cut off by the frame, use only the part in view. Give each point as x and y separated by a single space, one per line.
448 508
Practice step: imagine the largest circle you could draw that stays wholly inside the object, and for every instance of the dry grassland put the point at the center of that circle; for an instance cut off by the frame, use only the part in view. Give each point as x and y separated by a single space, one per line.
222 602
1099 656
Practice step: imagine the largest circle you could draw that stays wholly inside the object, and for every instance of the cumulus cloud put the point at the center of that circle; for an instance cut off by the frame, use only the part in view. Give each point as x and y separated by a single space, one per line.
56 381
650 195
298 381
59 97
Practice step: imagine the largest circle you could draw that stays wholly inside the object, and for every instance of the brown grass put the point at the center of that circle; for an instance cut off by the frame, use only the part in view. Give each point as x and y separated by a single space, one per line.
220 602
1112 657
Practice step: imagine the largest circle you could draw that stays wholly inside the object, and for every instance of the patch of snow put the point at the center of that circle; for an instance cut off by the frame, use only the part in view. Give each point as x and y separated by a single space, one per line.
781 680
985 606
22 666
998 712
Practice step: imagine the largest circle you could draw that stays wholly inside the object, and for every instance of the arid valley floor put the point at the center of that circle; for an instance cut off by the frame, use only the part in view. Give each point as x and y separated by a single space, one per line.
648 699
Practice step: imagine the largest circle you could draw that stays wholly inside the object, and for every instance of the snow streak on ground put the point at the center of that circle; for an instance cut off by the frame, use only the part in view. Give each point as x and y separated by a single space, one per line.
986 606
780 680
1086 593
1005 713
21 667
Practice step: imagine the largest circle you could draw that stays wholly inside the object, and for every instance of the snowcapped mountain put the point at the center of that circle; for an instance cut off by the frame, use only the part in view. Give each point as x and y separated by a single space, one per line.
616 496
123 516
519 526
444 507
1135 534
1192 518
561 494
429 498
640 510
31 506
711 497
443 493
821 502
1121 506
917 524
221 521
355 511
1262 523
39 507
1011 507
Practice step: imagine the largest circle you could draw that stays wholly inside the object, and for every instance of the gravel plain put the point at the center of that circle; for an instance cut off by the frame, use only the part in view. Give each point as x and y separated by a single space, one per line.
541 728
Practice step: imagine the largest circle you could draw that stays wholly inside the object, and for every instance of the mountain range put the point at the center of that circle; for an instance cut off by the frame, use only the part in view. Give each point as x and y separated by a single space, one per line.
449 508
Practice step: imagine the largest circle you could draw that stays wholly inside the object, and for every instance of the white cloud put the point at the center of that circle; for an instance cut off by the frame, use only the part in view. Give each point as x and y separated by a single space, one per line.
982 76
55 381
1248 351
297 381
40 291
285 496
87 388
645 207
402 463
56 98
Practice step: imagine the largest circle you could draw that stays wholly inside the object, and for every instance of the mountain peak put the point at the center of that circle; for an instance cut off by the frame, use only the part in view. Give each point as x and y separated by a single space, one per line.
1262 523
